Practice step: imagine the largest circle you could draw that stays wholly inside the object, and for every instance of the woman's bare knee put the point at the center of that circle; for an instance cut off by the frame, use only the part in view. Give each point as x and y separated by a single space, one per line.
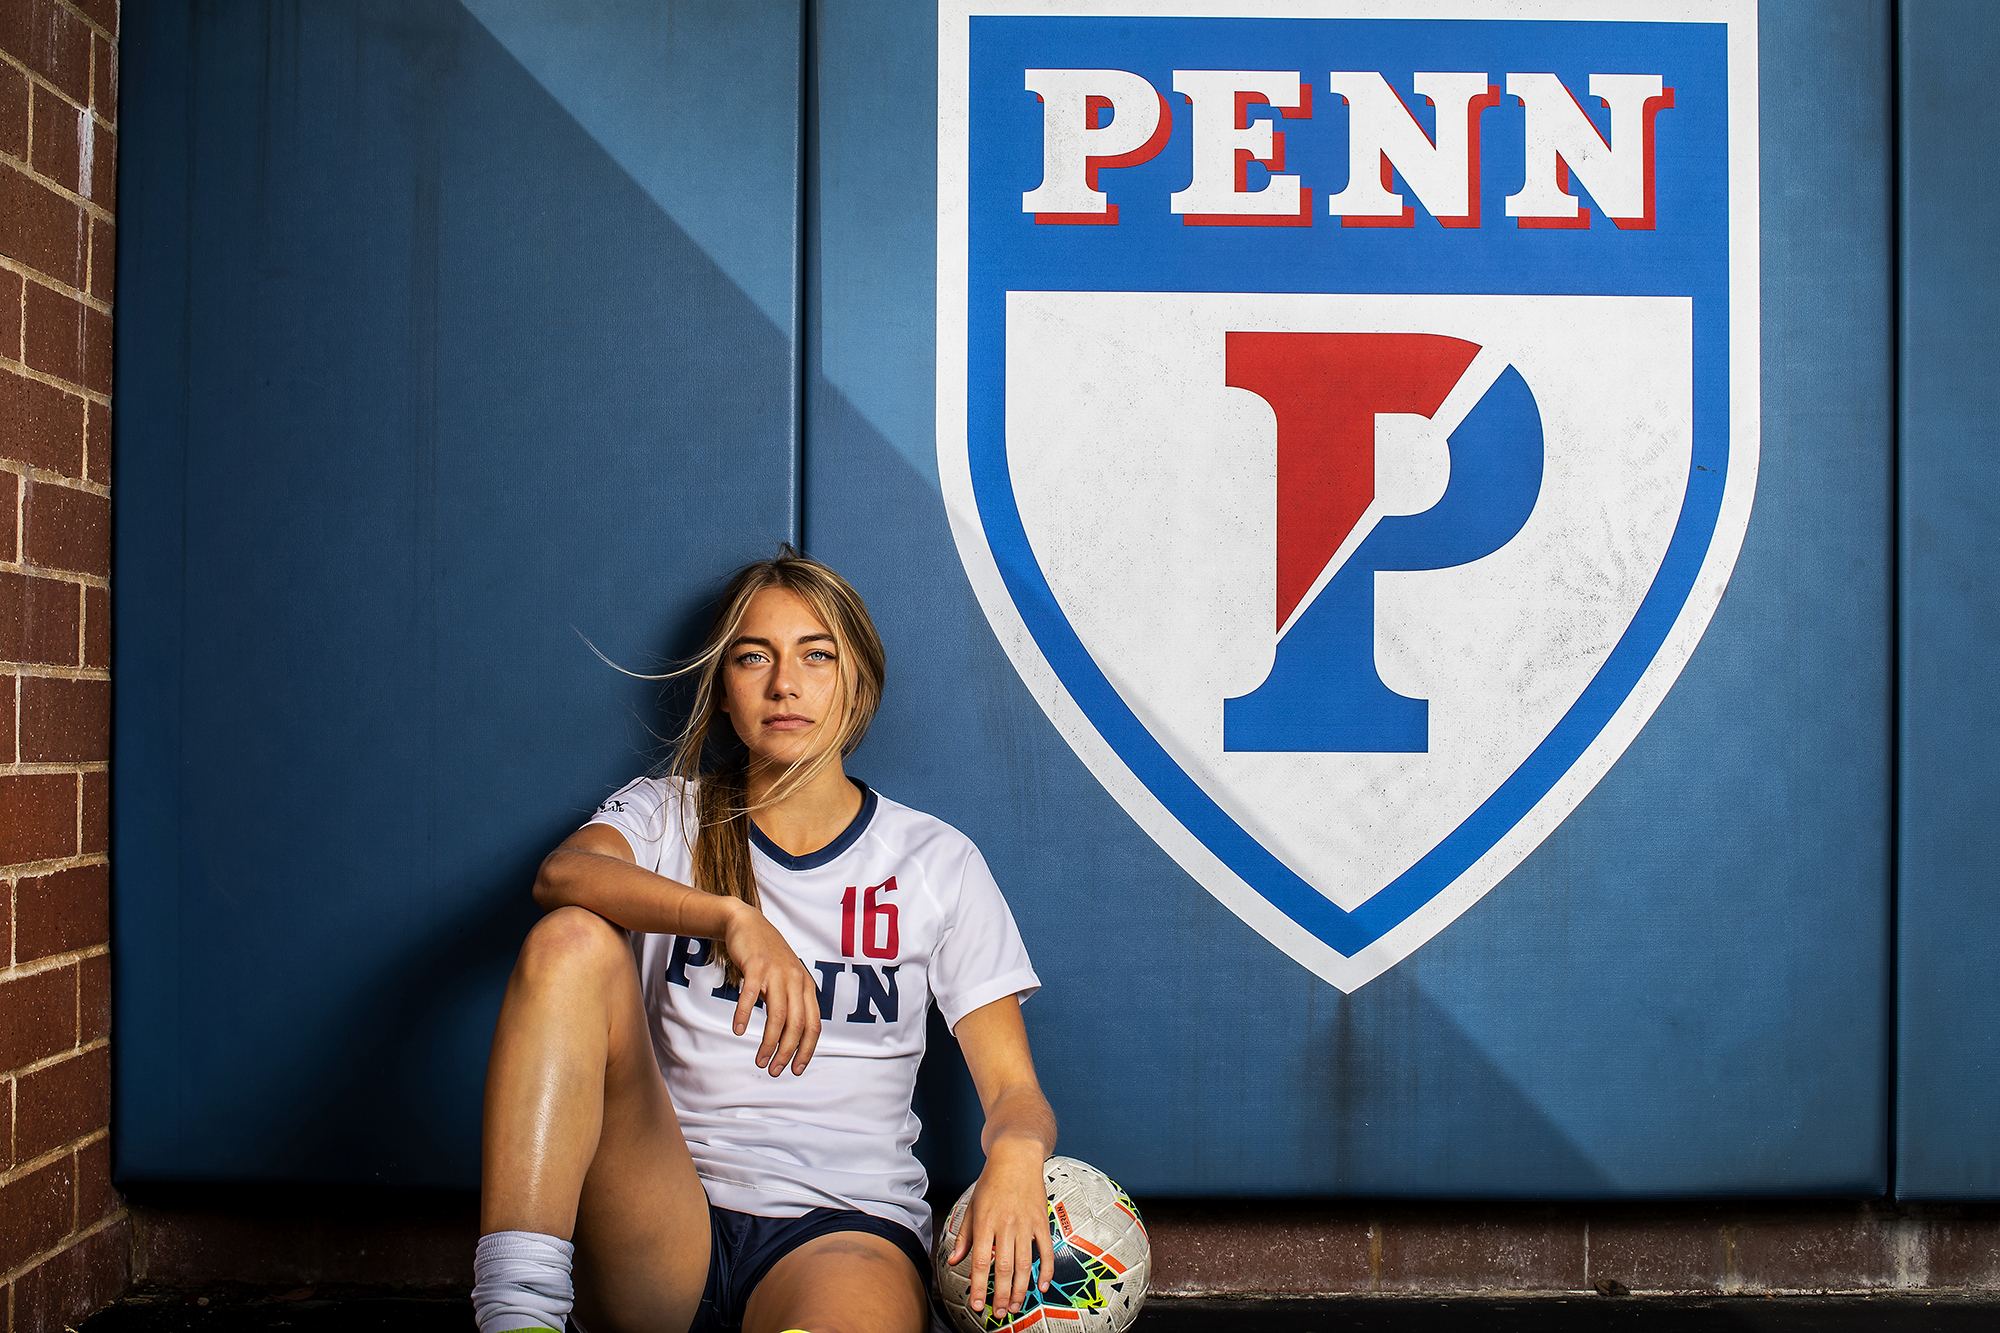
569 944
576 972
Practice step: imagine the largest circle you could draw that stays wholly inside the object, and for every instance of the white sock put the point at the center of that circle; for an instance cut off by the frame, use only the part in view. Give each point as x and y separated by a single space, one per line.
521 1279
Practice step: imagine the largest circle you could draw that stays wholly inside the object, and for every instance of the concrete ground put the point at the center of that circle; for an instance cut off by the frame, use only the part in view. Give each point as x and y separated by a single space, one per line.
238 1309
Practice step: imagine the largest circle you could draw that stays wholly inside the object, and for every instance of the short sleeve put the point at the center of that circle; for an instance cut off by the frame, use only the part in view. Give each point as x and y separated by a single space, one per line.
979 956
640 811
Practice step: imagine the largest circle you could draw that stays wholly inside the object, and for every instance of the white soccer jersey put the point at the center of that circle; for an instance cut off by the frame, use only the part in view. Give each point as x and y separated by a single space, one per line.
899 910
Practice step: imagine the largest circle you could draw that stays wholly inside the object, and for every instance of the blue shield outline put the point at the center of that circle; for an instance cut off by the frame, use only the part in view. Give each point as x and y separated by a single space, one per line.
1710 257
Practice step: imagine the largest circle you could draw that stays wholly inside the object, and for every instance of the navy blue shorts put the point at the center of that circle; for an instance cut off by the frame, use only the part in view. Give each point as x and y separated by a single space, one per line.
743 1247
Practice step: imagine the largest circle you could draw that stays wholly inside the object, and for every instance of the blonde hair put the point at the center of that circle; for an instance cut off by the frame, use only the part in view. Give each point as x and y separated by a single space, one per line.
710 758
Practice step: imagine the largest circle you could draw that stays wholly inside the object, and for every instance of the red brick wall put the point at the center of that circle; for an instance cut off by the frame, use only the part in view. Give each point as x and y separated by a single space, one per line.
1740 1247
64 1233
412 1238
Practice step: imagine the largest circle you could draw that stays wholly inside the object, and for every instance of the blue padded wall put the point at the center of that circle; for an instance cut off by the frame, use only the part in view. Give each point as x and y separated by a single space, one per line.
448 330
1948 899
447 334
1683 991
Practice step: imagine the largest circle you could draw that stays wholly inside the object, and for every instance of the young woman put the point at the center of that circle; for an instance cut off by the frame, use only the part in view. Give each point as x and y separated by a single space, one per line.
720 1136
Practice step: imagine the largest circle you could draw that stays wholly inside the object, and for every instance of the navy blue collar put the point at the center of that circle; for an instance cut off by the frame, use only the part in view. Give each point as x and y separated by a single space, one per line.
814 860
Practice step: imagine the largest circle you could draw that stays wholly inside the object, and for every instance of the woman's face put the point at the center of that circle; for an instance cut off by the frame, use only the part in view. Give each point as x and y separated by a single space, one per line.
781 680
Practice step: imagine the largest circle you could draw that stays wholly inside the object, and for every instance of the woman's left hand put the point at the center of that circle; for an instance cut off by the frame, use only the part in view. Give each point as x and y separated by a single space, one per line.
1007 1223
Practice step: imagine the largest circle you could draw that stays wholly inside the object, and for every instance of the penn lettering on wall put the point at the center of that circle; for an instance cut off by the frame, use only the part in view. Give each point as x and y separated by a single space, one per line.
1099 120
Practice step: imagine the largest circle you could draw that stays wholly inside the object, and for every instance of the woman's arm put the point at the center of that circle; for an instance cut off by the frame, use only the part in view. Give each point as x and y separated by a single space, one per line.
1009 1216
594 869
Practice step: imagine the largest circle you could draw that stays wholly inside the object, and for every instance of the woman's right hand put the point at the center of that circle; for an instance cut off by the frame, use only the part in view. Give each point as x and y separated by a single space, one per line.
774 974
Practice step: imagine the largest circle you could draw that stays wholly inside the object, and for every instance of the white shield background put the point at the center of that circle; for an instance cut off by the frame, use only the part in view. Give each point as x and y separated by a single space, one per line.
1147 488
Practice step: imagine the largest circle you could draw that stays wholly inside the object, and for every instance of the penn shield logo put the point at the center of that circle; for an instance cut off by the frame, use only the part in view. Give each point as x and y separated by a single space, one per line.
1348 422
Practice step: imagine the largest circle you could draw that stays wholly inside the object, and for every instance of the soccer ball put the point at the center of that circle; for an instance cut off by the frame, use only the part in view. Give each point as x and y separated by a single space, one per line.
1102 1261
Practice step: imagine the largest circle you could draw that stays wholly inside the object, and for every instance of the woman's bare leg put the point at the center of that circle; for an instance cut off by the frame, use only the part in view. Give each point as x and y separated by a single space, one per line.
580 1140
842 1282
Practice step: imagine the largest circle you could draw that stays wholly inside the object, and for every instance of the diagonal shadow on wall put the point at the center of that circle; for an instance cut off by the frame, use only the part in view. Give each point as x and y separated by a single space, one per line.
455 390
